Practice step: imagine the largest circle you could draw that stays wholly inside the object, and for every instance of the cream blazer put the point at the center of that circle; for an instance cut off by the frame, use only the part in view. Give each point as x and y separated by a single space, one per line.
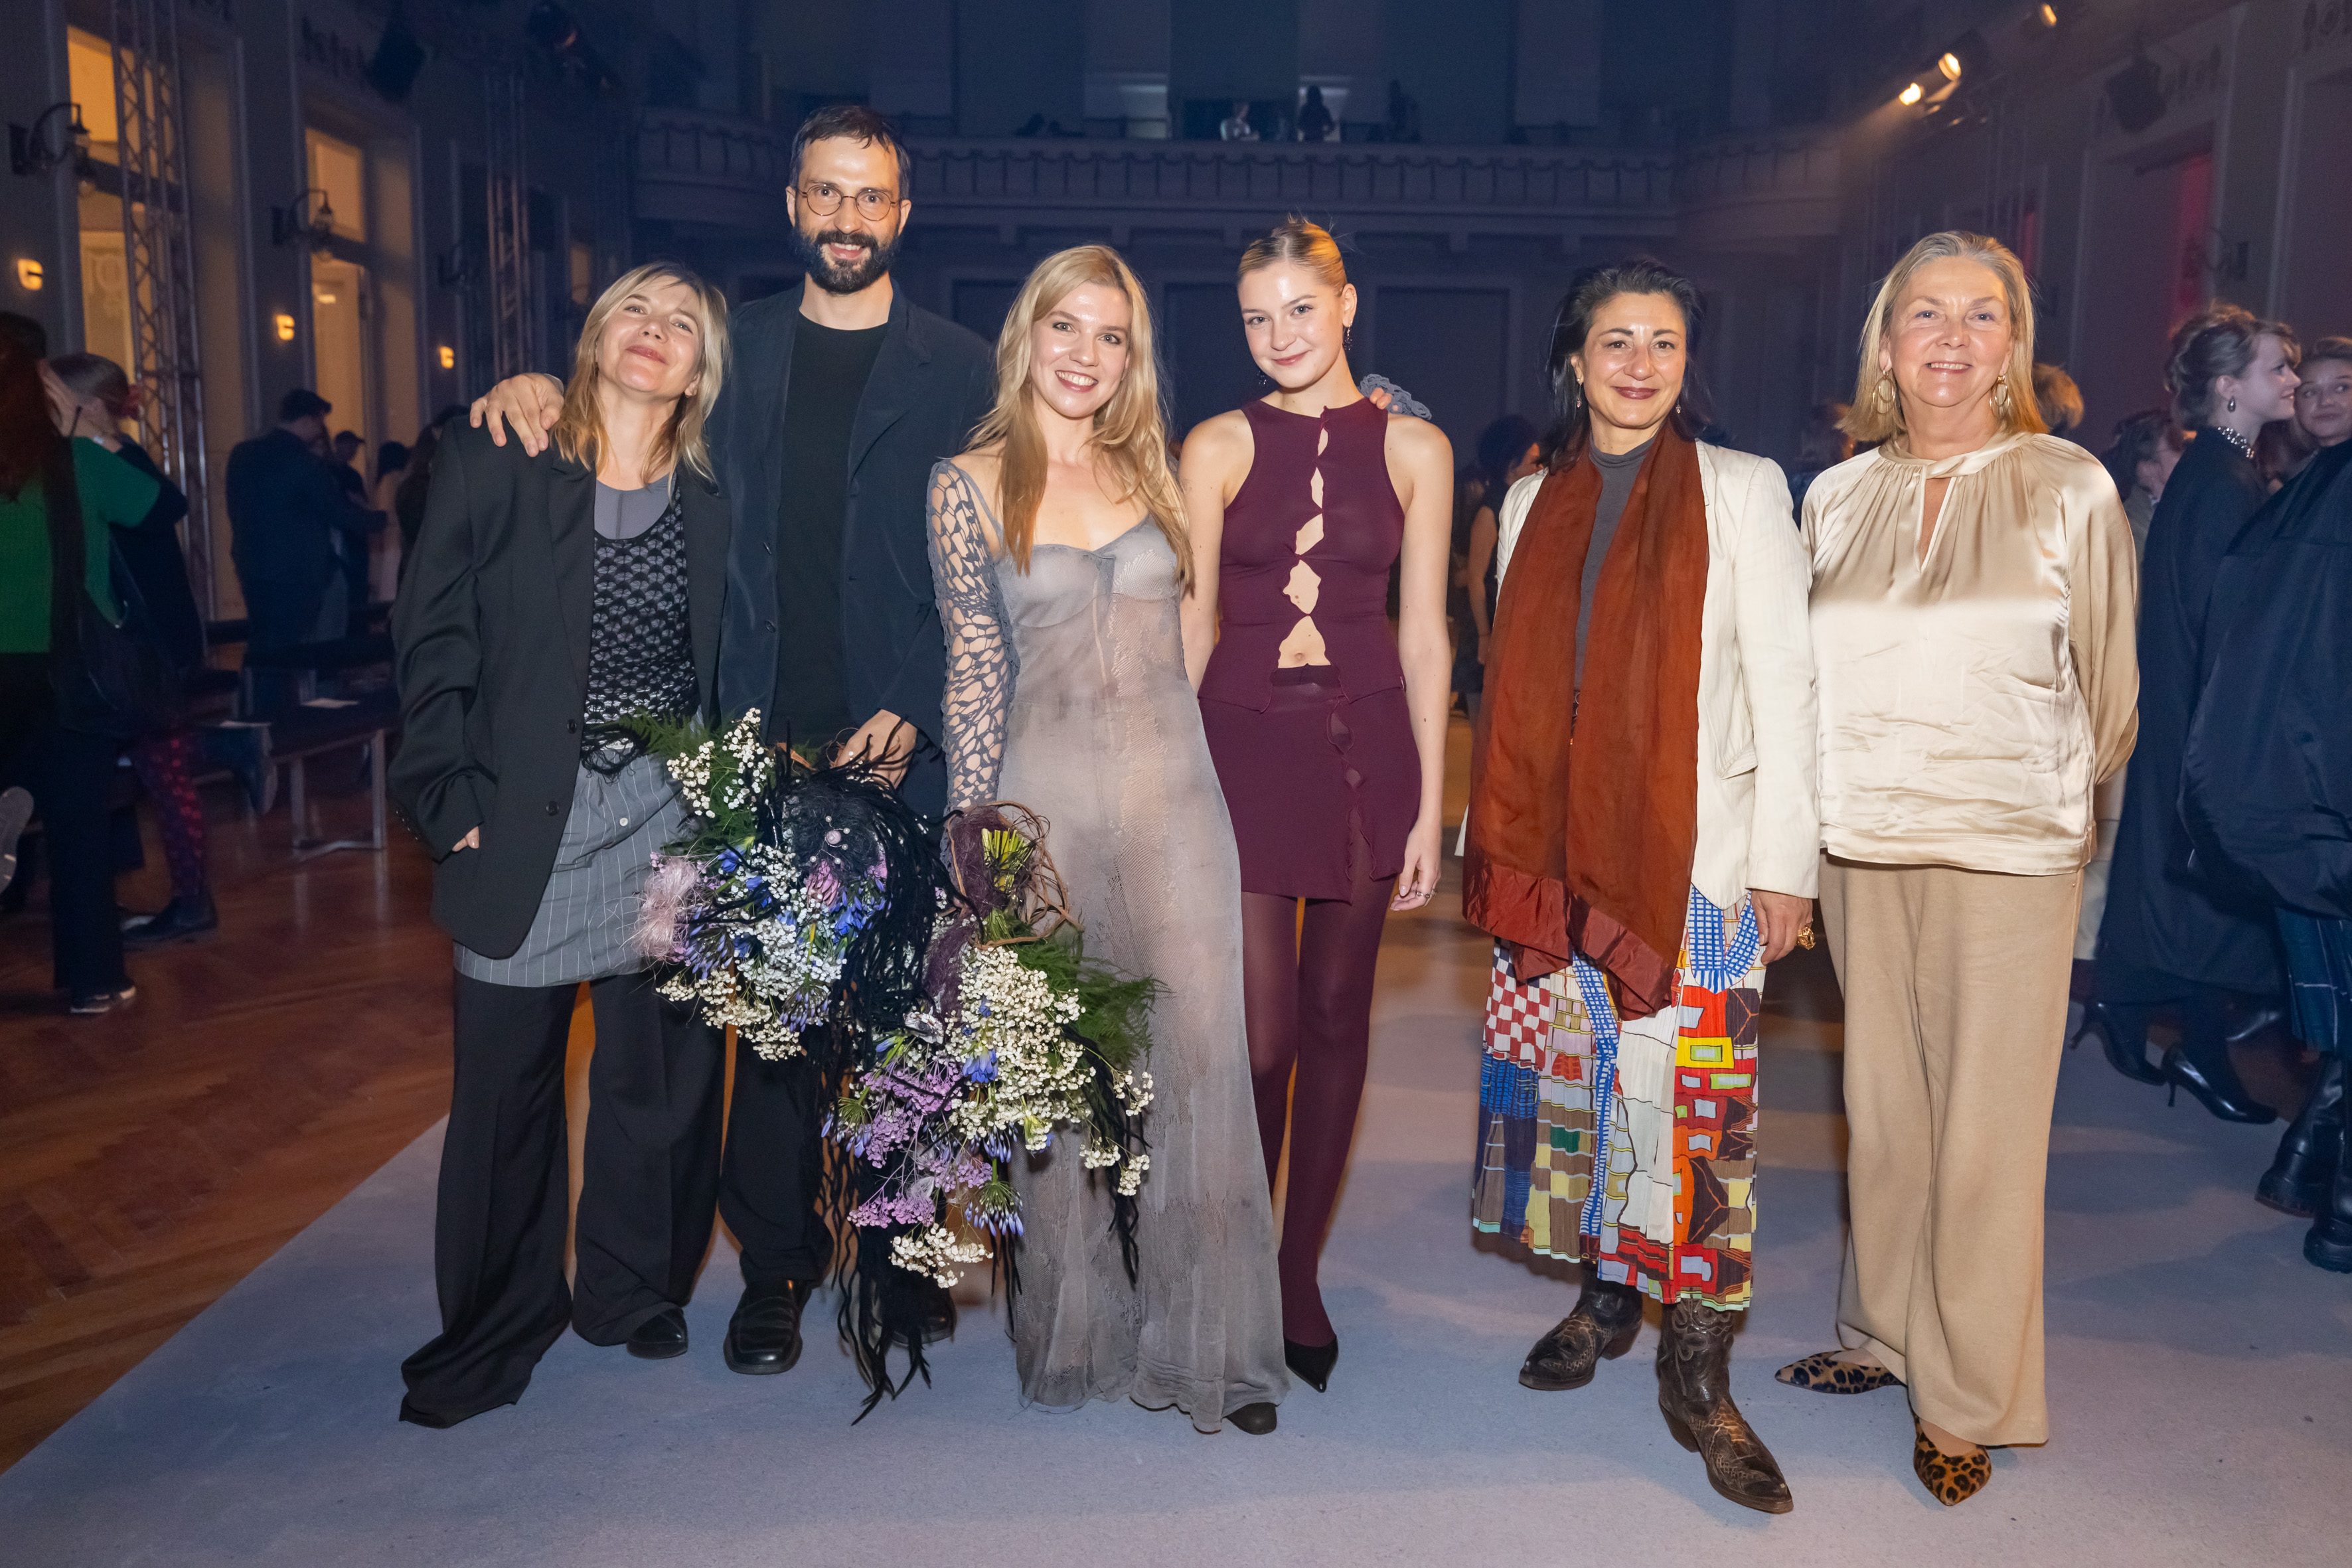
1760 820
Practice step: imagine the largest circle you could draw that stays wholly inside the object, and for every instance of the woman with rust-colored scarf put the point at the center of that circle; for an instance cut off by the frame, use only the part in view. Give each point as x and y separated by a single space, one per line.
1643 837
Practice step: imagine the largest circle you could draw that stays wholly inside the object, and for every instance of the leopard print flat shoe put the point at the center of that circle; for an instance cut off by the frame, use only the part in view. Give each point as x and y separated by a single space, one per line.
1952 1478
1825 1373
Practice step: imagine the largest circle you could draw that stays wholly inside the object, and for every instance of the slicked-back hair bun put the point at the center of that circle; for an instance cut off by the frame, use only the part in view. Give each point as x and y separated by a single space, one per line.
2218 340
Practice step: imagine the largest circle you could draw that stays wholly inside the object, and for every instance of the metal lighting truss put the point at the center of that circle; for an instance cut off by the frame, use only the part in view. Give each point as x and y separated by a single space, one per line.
158 262
510 259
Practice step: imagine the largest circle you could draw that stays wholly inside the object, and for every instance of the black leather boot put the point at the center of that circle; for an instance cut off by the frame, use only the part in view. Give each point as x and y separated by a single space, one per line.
1694 1395
2329 1243
2123 1035
2298 1178
1603 1323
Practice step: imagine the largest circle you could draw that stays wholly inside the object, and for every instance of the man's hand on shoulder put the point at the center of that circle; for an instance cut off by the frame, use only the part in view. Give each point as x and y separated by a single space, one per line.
525 404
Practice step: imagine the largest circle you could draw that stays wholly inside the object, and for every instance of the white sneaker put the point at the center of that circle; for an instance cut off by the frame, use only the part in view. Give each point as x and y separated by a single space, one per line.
16 810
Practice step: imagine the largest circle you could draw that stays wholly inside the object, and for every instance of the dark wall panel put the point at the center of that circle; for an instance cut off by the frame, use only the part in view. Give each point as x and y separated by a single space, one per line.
980 304
1206 359
1447 347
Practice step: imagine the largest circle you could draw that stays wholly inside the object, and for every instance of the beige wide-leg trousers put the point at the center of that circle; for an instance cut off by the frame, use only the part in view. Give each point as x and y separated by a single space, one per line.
1955 1007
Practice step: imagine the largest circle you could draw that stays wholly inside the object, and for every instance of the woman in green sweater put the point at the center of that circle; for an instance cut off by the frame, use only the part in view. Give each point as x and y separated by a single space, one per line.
66 771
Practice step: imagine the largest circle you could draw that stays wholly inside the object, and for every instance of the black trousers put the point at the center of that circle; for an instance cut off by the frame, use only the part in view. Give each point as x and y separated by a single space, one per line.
775 1169
69 776
651 1172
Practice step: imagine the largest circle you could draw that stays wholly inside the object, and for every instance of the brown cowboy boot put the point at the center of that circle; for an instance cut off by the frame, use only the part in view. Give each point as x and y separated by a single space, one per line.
1695 1394
1603 1323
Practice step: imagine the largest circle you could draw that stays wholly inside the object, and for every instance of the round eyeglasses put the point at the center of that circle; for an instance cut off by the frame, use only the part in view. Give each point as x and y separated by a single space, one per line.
824 199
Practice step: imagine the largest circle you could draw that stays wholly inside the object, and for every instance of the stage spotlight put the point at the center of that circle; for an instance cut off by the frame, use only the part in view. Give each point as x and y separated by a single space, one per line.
1966 56
1912 93
2137 94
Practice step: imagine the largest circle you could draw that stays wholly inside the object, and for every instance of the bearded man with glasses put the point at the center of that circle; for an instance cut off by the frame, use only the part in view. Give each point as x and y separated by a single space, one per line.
842 395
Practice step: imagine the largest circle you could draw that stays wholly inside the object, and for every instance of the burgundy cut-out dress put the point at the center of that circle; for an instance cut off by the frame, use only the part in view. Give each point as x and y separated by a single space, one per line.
1312 757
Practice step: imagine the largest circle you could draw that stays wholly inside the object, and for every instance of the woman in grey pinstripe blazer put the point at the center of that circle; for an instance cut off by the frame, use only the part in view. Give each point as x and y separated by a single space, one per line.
551 597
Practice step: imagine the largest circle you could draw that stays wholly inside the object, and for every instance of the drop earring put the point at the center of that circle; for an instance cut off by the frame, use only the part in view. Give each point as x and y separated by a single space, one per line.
2233 405
1347 339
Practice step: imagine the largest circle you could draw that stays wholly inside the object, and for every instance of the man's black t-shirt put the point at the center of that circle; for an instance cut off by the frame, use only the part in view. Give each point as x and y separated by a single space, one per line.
829 371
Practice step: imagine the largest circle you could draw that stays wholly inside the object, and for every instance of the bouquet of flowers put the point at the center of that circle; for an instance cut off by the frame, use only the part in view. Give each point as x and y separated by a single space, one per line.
953 1016
1023 1033
797 896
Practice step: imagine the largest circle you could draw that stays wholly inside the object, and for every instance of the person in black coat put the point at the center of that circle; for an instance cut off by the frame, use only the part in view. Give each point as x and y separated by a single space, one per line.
286 508
845 395
2170 936
553 596
166 759
2266 794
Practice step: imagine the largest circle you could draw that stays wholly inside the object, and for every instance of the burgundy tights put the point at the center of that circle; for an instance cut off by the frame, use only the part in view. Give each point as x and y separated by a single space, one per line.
165 762
1307 989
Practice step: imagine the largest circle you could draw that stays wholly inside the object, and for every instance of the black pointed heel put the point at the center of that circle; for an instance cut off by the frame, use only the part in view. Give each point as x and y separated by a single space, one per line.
2219 1093
1311 1364
2126 1048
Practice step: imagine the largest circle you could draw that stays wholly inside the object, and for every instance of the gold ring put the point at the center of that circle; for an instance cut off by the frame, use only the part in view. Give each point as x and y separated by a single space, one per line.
1805 935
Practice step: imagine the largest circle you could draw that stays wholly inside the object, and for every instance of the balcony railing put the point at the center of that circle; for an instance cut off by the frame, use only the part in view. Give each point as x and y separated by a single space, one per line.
1759 192
1368 186
711 171
726 172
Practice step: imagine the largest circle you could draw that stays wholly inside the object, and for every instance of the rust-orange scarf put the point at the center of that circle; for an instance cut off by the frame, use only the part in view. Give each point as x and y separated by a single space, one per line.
1595 858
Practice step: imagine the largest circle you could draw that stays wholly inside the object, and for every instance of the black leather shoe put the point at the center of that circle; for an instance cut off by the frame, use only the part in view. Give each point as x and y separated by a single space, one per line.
175 922
2123 1035
1311 1363
2298 1180
2214 1084
1257 1420
1604 1323
763 1337
659 1337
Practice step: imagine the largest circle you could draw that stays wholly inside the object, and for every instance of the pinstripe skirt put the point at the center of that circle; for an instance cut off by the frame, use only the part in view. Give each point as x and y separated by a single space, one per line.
582 929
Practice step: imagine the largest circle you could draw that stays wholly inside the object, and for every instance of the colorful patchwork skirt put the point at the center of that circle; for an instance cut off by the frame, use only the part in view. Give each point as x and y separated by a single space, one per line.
1630 1145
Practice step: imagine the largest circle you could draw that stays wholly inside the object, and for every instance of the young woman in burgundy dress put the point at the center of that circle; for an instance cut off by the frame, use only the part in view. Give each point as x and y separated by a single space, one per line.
1328 734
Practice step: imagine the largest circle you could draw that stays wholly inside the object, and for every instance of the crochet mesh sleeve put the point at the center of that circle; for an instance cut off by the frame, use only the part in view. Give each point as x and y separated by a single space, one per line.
981 661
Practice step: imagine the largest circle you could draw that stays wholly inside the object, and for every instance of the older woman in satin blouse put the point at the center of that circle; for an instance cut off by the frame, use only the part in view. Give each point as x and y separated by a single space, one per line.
1972 616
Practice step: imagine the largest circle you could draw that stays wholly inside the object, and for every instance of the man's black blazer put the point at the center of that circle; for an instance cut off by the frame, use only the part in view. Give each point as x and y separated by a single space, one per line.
491 638
932 381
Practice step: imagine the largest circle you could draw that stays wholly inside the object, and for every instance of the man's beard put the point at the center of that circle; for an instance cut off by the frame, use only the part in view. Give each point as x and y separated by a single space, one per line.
835 279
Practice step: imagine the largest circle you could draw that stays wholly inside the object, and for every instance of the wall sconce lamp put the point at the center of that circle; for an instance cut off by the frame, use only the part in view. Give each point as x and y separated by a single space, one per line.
29 276
449 357
285 326
42 146
307 222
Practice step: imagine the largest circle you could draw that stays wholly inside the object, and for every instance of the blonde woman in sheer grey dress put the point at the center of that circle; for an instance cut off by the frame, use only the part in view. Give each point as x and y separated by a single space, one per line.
1066 692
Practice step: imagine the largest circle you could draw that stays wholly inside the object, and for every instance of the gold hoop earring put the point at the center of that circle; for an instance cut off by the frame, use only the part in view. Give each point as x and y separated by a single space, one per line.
1882 396
2001 401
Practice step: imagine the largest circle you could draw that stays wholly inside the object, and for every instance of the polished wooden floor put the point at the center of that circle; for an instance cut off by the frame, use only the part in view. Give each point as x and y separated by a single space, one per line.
151 1158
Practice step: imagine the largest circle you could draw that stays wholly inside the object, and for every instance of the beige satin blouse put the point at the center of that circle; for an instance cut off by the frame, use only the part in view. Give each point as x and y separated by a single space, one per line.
1969 701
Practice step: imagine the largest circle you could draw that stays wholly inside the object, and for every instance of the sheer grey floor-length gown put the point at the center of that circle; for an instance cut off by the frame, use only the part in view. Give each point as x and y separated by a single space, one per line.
1066 693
